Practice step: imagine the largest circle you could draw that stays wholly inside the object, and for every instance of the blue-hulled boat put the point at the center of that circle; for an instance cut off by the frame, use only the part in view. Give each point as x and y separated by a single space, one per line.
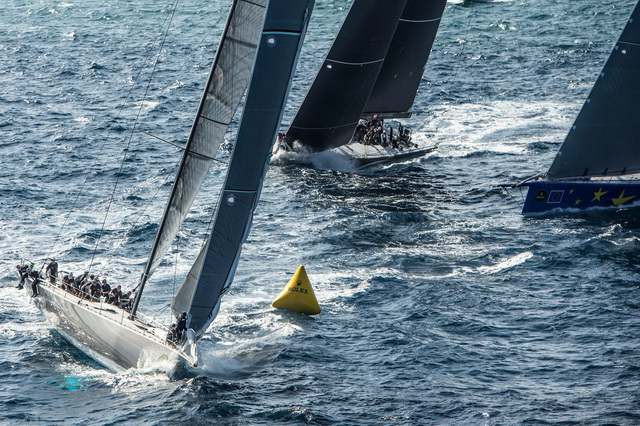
598 164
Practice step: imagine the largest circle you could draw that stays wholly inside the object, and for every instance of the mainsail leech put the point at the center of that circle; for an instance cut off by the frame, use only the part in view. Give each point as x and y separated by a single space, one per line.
397 84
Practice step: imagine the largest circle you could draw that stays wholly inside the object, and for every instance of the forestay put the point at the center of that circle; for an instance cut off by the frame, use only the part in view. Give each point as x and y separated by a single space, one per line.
334 104
397 84
213 272
605 138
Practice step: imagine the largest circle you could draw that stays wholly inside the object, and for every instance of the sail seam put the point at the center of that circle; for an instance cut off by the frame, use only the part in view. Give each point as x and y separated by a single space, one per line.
420 21
254 3
629 42
242 42
205 156
355 63
223 123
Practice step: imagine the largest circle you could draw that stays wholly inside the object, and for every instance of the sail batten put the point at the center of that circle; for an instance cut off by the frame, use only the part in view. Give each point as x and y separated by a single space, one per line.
214 269
357 64
605 137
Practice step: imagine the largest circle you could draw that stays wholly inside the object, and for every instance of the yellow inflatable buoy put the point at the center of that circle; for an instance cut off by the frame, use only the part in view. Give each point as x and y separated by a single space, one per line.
298 295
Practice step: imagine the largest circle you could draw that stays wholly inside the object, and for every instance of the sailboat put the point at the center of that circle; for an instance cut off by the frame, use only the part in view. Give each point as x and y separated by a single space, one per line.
371 73
598 164
259 49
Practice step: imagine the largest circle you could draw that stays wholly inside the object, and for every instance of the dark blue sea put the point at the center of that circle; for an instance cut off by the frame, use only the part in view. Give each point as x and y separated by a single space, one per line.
440 303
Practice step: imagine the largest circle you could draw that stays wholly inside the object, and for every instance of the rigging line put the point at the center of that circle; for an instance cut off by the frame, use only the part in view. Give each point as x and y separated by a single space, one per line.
139 218
459 55
510 195
464 42
162 140
126 150
159 312
202 44
142 213
86 180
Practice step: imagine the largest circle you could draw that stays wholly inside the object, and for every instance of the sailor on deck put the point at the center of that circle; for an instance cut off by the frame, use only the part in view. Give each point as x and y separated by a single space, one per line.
181 327
52 270
34 284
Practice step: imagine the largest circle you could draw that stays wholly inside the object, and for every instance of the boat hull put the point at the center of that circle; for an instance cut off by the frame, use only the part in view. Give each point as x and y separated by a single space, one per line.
357 155
374 155
105 332
545 196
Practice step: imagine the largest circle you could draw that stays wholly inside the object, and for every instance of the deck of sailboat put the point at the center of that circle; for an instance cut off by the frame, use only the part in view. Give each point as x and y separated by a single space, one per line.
105 332
257 55
359 156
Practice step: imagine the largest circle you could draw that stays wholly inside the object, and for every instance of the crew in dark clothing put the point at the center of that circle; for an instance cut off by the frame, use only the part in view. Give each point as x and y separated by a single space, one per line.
172 336
34 284
105 288
52 270
80 280
66 282
125 301
181 327
115 296
23 271
95 289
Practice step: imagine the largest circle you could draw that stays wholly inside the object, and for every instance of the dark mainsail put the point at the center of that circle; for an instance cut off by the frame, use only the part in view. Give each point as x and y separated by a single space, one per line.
605 138
212 273
330 112
397 84
228 81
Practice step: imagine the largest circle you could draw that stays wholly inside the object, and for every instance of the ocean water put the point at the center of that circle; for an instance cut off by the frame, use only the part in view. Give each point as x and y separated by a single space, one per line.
441 303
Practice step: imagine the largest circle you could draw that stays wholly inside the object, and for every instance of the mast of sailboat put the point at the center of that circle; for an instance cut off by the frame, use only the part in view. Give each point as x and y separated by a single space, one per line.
220 100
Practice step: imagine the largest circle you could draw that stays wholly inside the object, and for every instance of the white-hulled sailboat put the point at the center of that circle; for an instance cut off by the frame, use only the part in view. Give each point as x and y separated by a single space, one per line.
259 49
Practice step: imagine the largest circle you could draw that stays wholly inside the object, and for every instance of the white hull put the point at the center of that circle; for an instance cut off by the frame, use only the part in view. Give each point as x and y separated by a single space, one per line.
105 333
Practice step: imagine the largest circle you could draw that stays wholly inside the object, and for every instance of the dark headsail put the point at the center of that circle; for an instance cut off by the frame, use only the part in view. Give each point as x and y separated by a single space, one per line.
284 30
605 138
398 81
330 112
228 81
